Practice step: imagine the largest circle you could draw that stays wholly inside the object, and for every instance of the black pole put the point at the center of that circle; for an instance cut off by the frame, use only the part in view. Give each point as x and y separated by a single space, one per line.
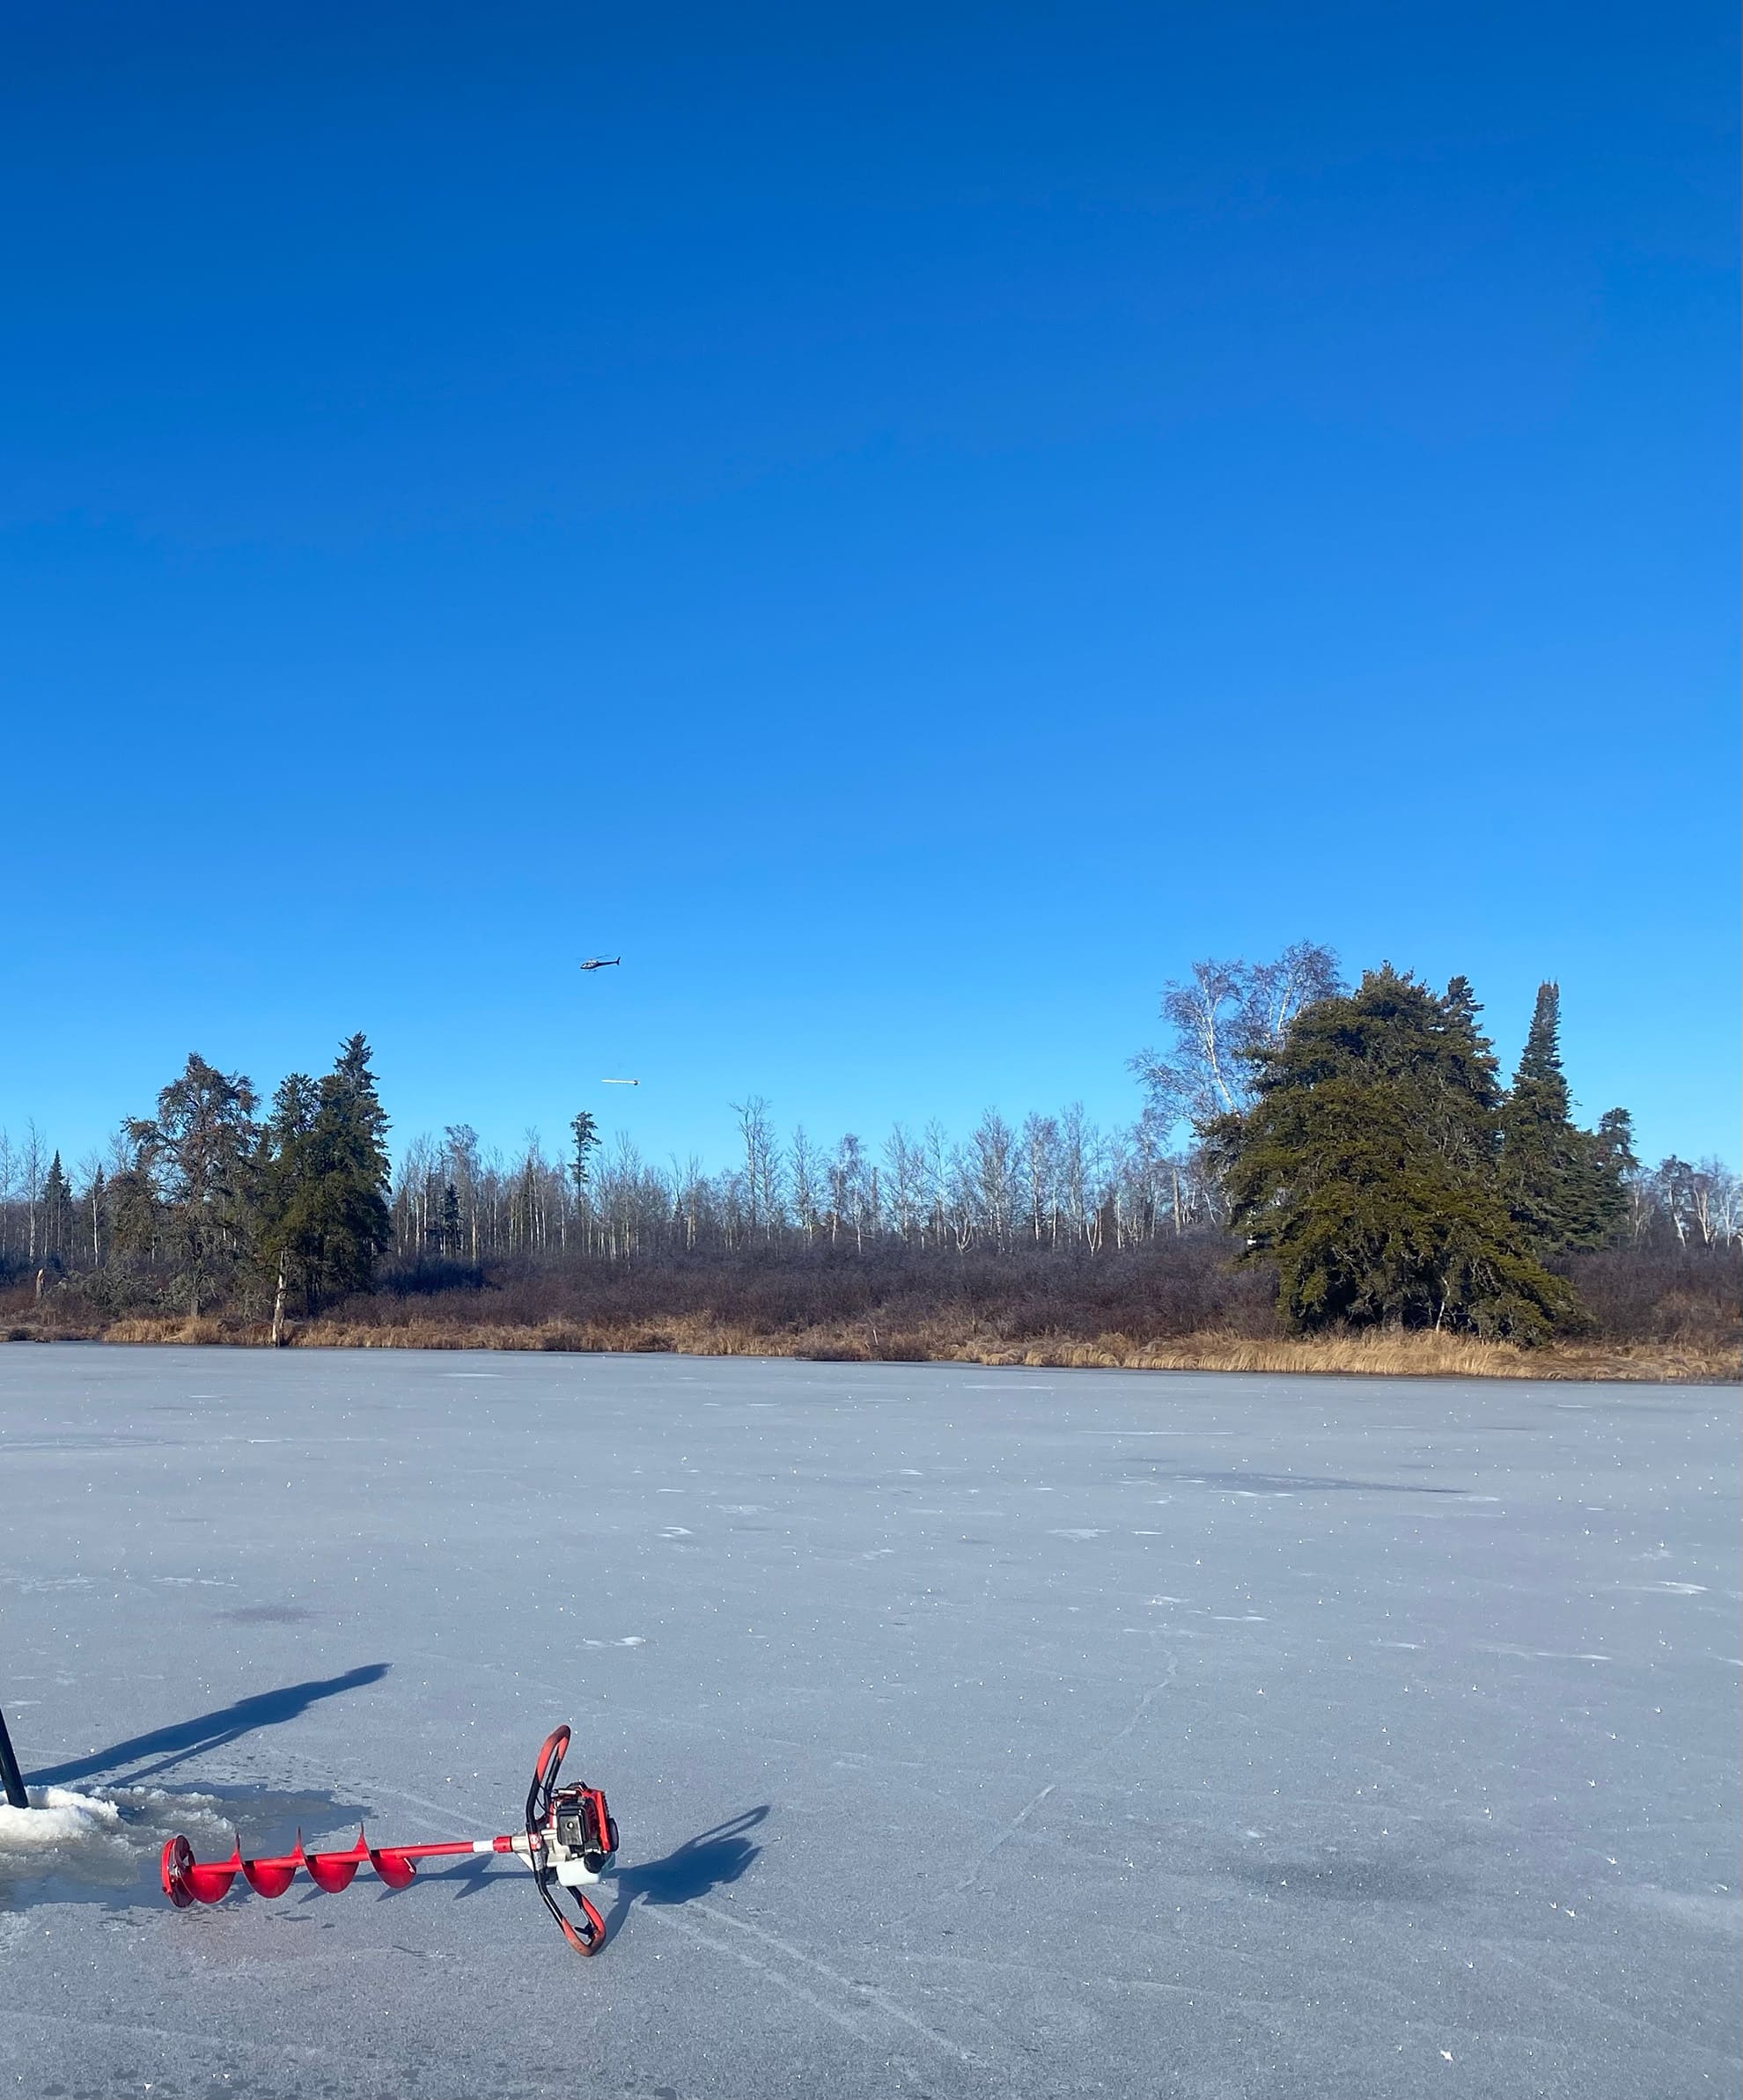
10 1775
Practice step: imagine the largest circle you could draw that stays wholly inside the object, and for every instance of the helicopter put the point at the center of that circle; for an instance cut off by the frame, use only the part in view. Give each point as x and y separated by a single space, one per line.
602 962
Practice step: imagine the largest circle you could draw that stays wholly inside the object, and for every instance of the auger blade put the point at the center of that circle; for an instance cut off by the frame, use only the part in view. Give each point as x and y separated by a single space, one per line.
173 1870
186 1881
394 1867
336 1871
273 1877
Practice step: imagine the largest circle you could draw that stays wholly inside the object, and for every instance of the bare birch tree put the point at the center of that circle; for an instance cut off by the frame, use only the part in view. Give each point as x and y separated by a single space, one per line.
1222 1014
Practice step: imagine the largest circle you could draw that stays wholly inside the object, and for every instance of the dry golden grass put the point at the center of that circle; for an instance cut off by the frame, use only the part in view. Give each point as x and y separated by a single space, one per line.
1378 1355
172 1330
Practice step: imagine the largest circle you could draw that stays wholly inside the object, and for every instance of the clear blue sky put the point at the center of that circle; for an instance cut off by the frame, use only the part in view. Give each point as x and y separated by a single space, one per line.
911 523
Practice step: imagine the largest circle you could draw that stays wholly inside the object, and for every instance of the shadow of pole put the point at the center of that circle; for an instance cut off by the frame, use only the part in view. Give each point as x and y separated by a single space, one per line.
185 1739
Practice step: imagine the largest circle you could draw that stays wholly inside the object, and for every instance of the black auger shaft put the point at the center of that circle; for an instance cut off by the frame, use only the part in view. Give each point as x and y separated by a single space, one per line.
11 1777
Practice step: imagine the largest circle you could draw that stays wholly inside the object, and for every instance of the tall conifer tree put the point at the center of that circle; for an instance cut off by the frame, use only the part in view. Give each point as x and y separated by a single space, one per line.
1364 1169
198 1151
57 1212
1562 1186
326 1180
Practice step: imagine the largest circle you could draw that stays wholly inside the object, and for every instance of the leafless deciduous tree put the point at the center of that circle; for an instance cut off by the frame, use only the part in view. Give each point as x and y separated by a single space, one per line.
806 1180
1221 1015
762 1166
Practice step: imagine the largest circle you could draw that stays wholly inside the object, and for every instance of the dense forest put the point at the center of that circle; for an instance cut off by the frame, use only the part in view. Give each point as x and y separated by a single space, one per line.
1306 1156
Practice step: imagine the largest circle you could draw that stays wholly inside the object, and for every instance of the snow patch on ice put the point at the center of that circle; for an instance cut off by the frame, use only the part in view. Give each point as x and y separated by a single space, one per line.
56 1816
67 1841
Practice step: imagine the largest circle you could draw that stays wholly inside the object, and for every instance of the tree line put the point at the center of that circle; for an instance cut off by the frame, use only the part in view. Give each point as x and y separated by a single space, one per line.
1360 1144
209 1198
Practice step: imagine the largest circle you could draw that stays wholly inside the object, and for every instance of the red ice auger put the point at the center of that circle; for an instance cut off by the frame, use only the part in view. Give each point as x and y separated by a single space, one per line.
569 1838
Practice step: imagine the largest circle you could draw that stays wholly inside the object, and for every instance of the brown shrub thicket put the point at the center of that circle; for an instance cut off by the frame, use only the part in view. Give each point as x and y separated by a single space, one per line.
1182 1305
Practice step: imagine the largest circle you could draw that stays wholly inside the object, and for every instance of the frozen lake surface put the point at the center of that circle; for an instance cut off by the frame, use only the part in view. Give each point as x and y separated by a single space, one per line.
971 1732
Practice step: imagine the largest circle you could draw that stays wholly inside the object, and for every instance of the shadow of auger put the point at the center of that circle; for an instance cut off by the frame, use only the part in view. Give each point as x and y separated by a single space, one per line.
697 1868
700 1865
183 1739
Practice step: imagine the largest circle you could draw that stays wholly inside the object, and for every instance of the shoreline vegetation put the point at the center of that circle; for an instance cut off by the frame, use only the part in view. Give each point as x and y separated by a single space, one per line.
1674 1319
1359 1193
1402 1355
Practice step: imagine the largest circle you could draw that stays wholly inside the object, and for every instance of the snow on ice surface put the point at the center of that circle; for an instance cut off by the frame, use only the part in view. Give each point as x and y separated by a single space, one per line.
103 1845
935 1775
56 1816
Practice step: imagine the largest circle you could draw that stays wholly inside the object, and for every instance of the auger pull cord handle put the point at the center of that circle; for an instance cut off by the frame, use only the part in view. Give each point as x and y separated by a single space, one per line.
568 1837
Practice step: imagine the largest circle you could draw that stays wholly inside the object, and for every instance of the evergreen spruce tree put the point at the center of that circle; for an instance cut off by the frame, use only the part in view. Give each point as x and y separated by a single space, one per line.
1616 1165
283 1170
57 1212
586 1134
1364 1169
1615 1143
135 1215
450 1228
325 1181
1562 1186
198 1152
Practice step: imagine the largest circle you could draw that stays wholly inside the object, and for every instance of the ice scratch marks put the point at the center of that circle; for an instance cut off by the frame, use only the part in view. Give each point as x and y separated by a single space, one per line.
1006 1834
869 1993
863 1999
1249 1486
1721 1915
1076 1531
1540 1654
1544 1979
1083 1765
676 1921
1201 1611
